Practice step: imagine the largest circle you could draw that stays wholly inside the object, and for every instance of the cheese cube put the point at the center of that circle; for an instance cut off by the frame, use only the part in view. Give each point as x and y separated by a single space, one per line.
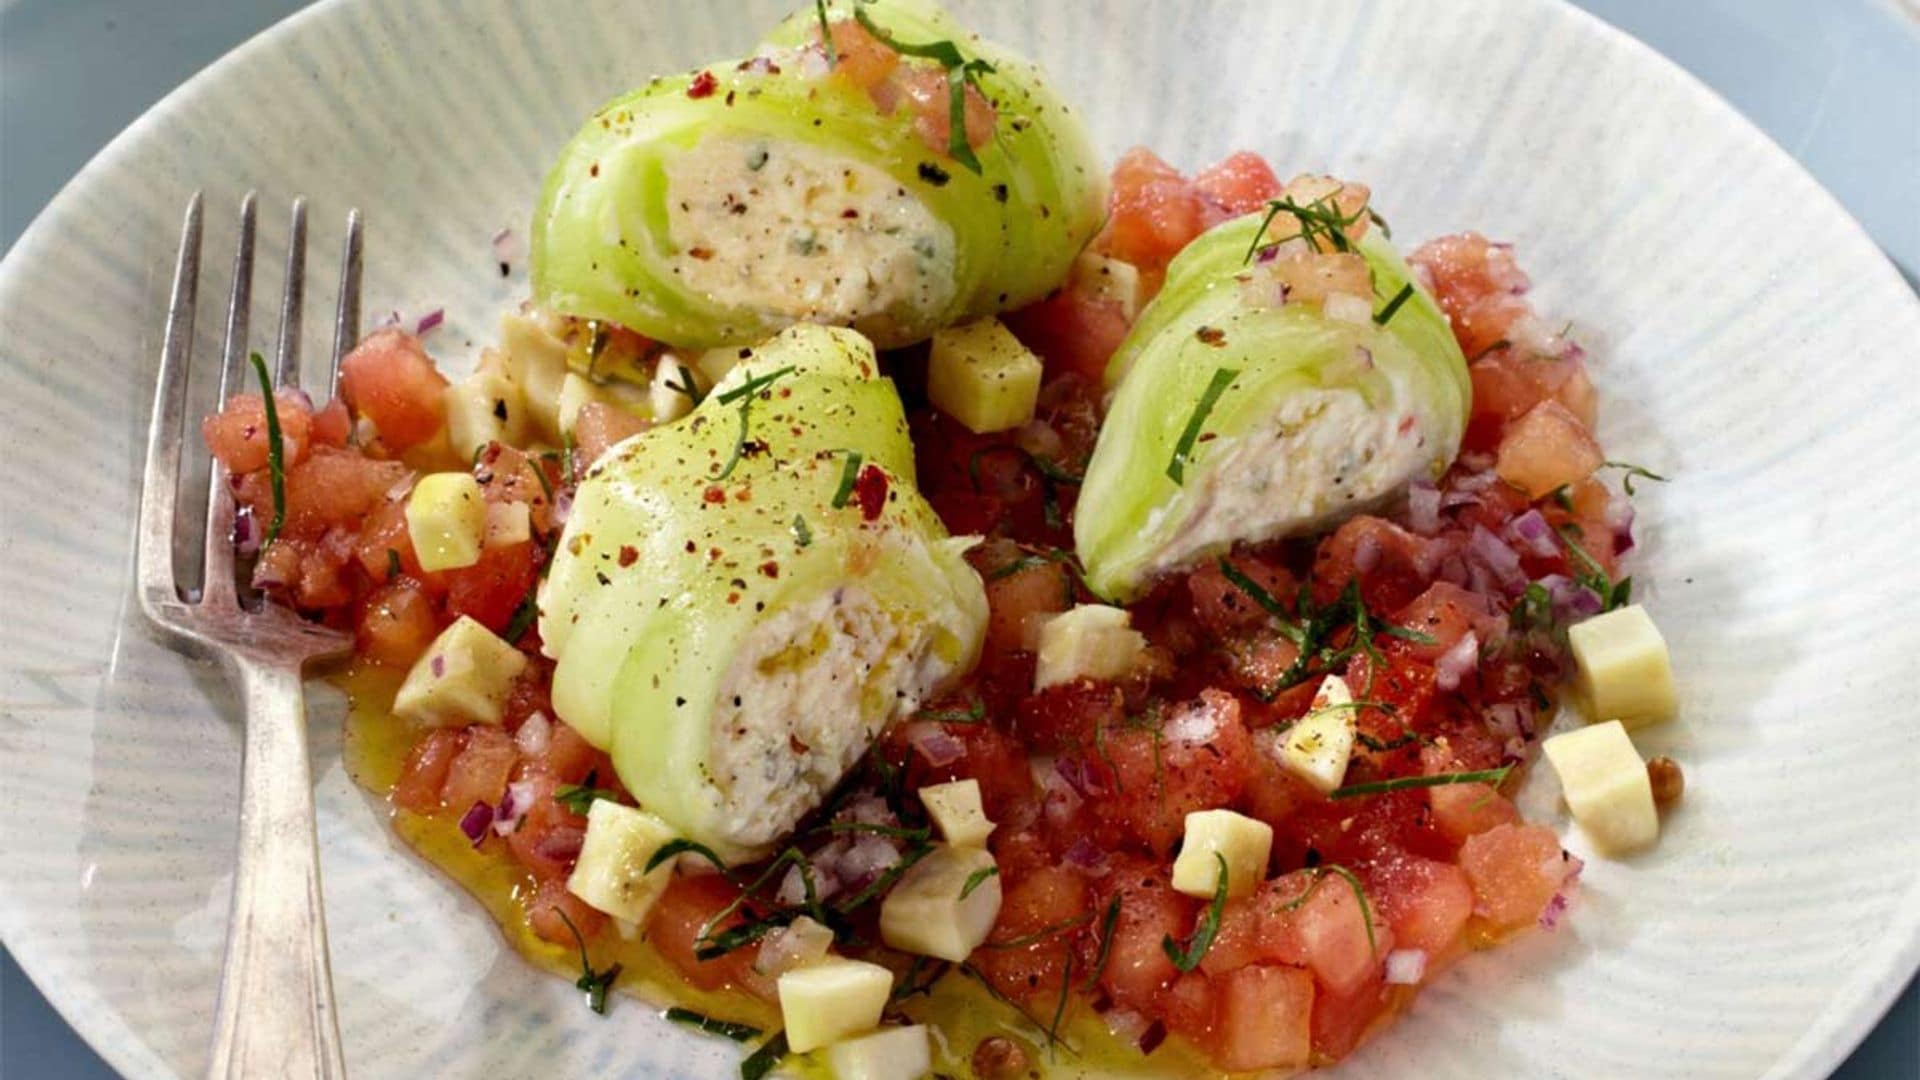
1111 280
536 358
611 874
957 811
1243 842
925 913
464 677
980 374
899 1053
485 407
1624 671
1606 786
508 523
447 520
1317 747
1090 641
831 1000
675 384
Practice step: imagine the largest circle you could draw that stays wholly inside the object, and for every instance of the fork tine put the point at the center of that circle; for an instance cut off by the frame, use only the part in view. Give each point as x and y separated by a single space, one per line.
160 484
286 371
216 581
346 320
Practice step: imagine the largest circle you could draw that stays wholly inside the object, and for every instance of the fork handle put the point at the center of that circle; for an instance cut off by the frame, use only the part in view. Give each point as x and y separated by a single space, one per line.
276 1016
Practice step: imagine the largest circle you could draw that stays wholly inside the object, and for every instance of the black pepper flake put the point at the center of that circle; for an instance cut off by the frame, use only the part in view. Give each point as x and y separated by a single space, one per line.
500 404
1212 335
1000 192
601 578
505 270
934 174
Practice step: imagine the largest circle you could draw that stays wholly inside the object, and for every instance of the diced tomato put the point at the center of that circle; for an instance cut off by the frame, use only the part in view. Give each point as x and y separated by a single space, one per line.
325 578
389 379
481 770
1261 1019
332 424
549 837
1154 211
1477 284
425 772
1546 448
1048 897
599 426
1590 520
1073 331
1445 613
685 909
491 590
546 905
1021 595
1516 870
987 755
864 60
332 487
1509 382
1425 901
238 435
1238 184
1392 564
1065 716
1138 968
396 624
1225 607
926 92
1464 810
1341 1021
569 758
1199 757
1332 929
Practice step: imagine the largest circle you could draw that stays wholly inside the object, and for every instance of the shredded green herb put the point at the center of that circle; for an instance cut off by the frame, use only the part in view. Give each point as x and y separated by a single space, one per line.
1187 957
766 1059
1050 1034
276 449
1503 343
593 983
686 386
1633 471
1253 590
802 534
1359 893
1182 451
1318 219
1594 577
961 72
826 33
1051 930
393 564
972 714
578 798
1386 314
712 1026
1107 923
745 394
978 878
1380 787
1386 230
849 475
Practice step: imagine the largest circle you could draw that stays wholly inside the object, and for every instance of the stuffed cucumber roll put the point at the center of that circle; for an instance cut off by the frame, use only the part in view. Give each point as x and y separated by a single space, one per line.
821 180
1289 373
743 599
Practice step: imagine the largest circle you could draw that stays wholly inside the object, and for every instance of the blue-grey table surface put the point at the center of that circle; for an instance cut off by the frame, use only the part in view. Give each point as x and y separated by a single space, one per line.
1835 82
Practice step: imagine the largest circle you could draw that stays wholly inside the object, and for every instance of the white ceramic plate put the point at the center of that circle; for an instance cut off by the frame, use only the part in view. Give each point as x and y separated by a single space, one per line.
1748 340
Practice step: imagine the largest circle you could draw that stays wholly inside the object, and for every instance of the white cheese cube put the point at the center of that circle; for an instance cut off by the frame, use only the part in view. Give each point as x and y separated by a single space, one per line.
926 914
447 520
577 391
536 358
1317 747
1111 280
831 1000
1624 670
611 874
1240 840
485 407
957 811
675 383
508 523
980 374
464 677
800 943
1090 641
1606 786
898 1053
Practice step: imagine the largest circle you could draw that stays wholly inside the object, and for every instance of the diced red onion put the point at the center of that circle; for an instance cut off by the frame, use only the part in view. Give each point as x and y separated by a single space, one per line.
534 736
1423 508
1366 554
1499 559
1572 601
1619 518
1406 967
1079 775
1196 722
1453 570
1059 800
934 744
1511 720
1477 481
867 856
1534 535
475 821
1126 1025
1556 908
562 507
300 397
562 844
1085 854
506 246
246 531
438 666
1457 662
513 806
1573 353
429 322
388 321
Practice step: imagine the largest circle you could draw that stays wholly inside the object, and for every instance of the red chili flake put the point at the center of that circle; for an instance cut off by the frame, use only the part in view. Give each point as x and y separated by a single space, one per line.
703 85
870 487
770 569
715 494
628 555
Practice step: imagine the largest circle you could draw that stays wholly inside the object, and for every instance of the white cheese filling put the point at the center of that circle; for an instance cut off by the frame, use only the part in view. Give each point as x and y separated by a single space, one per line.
804 234
1325 454
809 690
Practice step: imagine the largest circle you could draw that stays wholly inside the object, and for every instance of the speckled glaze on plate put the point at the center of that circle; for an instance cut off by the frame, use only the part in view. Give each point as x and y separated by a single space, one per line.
1748 340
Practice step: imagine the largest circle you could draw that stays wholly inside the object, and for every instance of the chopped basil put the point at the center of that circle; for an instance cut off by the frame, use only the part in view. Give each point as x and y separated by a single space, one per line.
1403 783
593 983
766 1059
978 878
727 1028
1177 466
276 449
1359 893
578 798
1187 957
961 72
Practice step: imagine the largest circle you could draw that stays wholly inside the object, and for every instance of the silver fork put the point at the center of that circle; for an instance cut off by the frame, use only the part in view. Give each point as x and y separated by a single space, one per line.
276 1015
